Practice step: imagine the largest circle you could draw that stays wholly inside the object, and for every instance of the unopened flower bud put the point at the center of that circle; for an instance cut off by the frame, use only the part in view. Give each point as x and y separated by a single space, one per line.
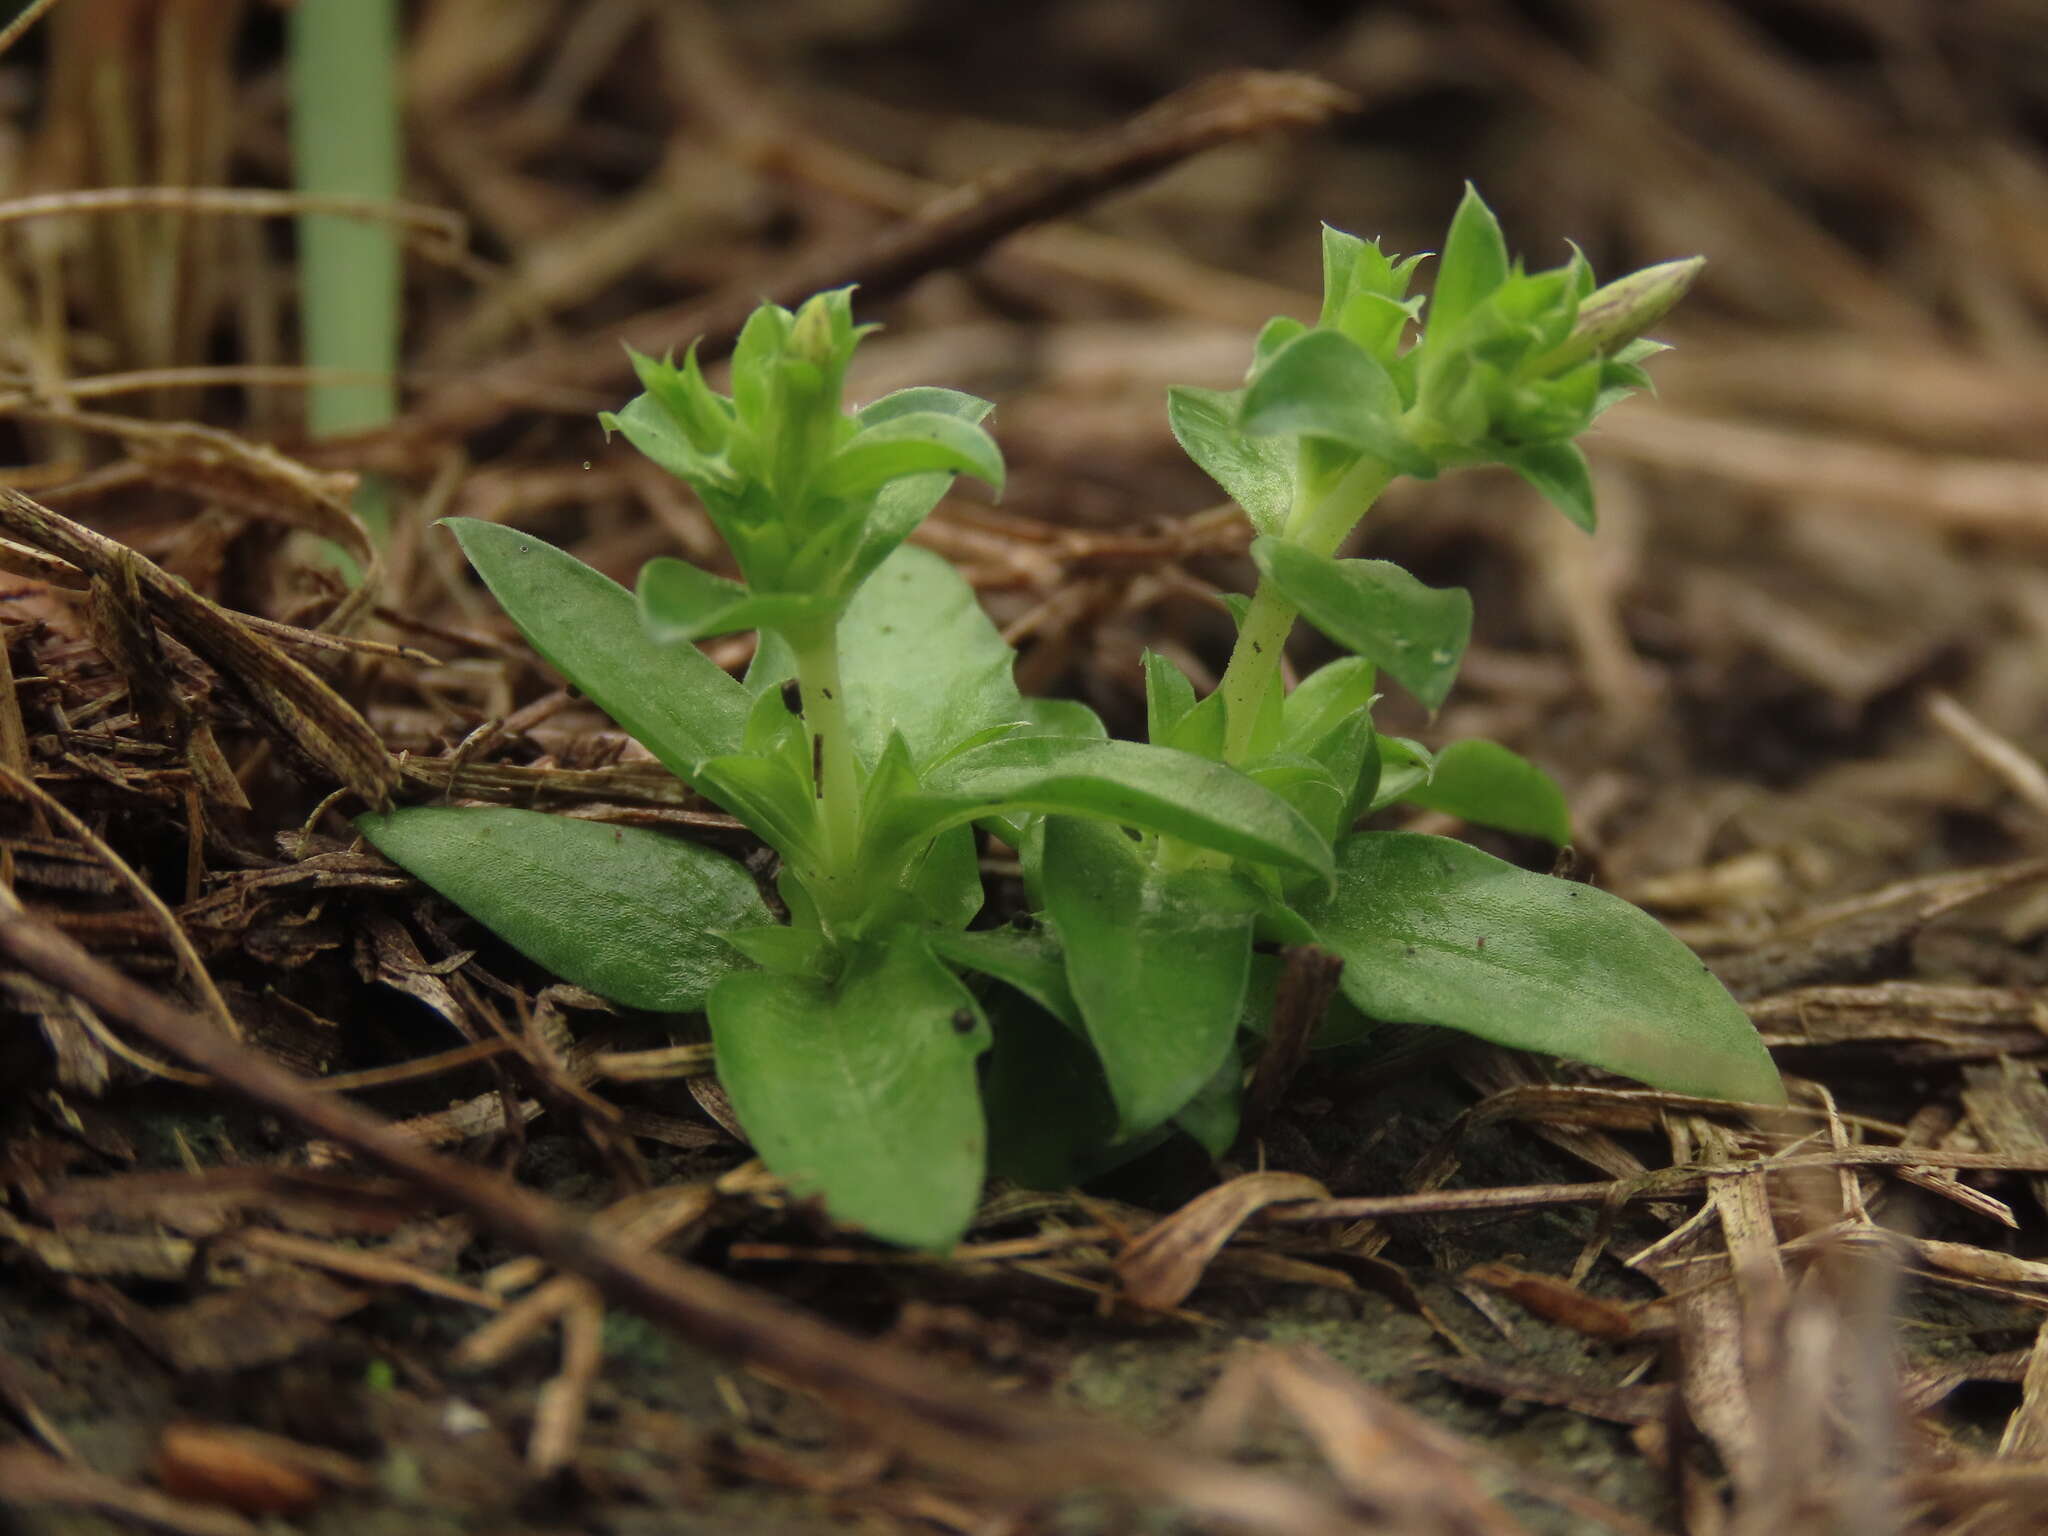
1612 317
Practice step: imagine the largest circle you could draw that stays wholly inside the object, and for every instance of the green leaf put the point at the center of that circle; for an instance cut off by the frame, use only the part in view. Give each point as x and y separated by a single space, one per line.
633 915
1255 472
1325 699
1475 263
1414 632
913 443
947 882
862 1090
1211 1116
1062 717
779 947
1151 788
654 429
918 655
1560 472
1484 782
1027 961
1404 764
1323 384
1168 698
776 804
1157 960
681 603
1051 1124
1436 932
674 700
901 505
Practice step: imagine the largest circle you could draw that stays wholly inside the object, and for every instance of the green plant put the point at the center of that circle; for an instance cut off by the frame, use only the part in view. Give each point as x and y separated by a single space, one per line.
845 1037
879 725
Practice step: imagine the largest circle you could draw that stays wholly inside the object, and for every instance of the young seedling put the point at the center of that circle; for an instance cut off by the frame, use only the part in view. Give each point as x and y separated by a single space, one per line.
844 1037
1508 368
879 724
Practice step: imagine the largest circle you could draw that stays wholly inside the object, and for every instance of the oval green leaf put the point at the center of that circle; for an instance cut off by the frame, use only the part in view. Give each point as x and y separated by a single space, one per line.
1255 472
1484 782
862 1090
1156 959
1435 932
633 915
1412 632
674 700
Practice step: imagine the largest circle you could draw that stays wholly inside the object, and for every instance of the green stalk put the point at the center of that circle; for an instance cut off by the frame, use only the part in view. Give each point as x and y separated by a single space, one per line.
838 783
345 142
1320 526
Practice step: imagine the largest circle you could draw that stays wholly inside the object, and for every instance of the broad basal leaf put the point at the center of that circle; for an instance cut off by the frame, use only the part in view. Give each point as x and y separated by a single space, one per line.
632 915
1436 932
862 1090
674 700
1415 633
1156 959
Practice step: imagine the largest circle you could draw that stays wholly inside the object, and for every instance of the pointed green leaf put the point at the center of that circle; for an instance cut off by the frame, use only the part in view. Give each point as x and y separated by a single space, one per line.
1560 472
915 443
1051 1124
1484 782
674 700
918 655
650 427
1413 632
1025 960
1436 932
1211 1116
1475 263
1323 384
1255 472
900 505
1156 959
681 603
862 1090
1168 698
776 804
633 915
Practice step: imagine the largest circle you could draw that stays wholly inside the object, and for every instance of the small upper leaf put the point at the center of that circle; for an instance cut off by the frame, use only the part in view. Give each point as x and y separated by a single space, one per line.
1323 384
681 603
1475 263
1151 788
1256 472
1413 632
913 443
1484 782
1560 472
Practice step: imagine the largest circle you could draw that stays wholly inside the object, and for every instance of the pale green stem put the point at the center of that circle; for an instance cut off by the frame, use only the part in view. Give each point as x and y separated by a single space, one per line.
838 782
1318 526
